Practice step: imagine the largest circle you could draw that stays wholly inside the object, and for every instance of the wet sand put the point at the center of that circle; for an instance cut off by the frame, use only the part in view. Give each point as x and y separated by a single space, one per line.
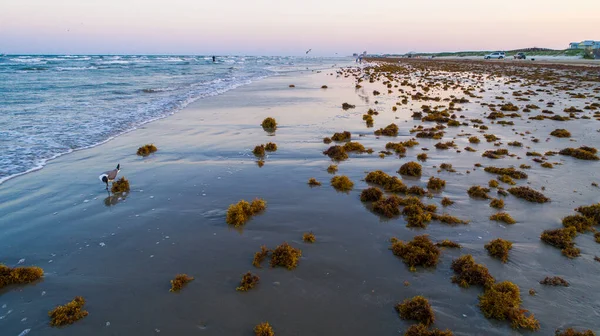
121 254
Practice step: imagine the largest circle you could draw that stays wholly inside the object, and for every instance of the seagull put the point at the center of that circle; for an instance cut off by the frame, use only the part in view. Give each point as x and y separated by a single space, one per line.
110 175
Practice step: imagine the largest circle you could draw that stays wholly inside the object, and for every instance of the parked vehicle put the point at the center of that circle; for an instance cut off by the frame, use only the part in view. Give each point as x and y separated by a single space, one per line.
520 56
495 55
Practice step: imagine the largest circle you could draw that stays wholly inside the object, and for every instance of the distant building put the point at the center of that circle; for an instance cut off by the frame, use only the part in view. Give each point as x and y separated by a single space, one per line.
585 44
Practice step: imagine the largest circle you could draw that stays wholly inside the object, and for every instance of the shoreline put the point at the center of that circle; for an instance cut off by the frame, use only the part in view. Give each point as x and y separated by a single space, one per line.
119 252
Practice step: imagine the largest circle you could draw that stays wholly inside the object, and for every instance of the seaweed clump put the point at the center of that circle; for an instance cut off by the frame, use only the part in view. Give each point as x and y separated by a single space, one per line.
579 222
410 169
435 183
337 153
418 252
68 313
313 182
309 237
591 211
388 207
269 124
421 330
448 244
285 256
248 281
528 194
503 217
342 183
573 332
146 150
240 213
389 130
497 203
264 329
562 239
468 273
502 301
347 106
447 202
260 256
271 147
179 282
416 308
259 150
512 172
478 192
332 169
555 281
498 248
342 136
582 153
120 185
371 194
561 133
19 275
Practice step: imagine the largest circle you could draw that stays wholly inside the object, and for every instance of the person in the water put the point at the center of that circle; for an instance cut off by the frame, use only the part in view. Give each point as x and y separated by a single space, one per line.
214 59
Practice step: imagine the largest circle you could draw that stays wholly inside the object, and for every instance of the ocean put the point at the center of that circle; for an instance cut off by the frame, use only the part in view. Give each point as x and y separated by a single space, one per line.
53 105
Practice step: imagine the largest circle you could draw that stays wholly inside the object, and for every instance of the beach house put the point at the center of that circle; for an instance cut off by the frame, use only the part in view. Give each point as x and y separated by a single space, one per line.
585 44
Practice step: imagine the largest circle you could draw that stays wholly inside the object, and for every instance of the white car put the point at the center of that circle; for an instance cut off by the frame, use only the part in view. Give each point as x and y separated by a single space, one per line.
495 55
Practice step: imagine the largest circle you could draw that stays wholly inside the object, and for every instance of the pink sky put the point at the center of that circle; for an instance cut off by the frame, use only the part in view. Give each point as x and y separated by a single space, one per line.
289 27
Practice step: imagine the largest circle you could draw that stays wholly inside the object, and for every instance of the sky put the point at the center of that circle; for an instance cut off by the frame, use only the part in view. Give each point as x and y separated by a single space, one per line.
290 27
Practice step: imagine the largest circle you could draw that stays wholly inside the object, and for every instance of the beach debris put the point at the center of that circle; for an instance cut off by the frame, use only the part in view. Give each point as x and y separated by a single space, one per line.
248 282
561 133
285 256
416 308
239 213
498 248
179 282
418 252
591 211
259 151
19 275
512 172
387 206
146 150
264 329
342 183
309 237
68 313
332 169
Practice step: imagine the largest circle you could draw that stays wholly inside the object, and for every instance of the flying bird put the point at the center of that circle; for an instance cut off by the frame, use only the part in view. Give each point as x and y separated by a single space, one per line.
309 50
110 175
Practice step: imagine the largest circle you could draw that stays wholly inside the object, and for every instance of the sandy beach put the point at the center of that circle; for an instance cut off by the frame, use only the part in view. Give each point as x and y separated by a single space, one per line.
120 252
